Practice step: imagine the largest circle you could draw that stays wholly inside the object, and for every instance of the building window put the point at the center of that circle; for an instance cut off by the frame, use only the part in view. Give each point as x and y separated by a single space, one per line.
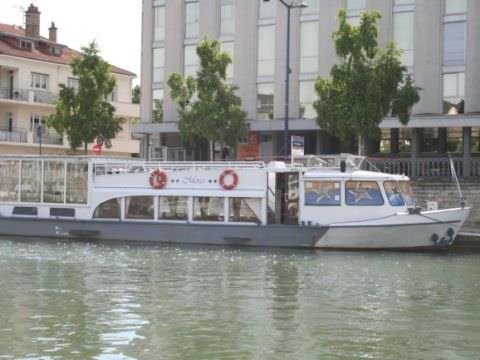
312 9
319 193
363 193
266 50
157 105
191 20
403 25
228 47
354 8
455 7
309 47
26 45
454 43
39 81
453 93
159 24
227 17
265 96
73 83
403 2
35 121
191 60
266 9
307 97
158 65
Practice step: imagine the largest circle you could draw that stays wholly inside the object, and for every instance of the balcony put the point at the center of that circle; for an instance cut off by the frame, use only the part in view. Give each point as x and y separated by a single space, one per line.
14 135
27 95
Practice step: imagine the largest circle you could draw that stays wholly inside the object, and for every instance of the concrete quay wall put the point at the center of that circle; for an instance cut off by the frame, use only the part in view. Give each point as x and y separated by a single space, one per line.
444 191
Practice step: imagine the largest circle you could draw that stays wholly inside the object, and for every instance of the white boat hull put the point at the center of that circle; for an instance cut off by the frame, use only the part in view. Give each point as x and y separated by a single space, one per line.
427 229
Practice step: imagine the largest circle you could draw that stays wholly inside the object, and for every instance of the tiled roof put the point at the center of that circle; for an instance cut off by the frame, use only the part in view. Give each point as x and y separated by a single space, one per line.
8 48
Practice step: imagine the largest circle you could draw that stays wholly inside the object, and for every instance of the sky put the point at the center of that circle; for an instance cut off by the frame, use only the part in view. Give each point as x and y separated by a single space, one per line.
114 24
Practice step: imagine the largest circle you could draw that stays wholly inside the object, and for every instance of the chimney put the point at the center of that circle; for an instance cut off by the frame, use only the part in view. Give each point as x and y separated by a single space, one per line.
52 33
32 22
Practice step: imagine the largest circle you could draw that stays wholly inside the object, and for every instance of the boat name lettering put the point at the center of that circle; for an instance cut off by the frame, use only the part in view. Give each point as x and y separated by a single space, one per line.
192 179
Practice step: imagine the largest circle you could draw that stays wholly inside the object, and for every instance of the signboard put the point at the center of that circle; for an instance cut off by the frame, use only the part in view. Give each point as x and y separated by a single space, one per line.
297 144
249 147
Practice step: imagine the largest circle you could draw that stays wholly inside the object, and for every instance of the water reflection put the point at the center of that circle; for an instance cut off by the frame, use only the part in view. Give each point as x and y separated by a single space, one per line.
80 301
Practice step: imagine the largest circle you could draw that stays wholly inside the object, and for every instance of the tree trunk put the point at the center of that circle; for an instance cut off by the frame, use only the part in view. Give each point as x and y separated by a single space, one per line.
85 148
361 145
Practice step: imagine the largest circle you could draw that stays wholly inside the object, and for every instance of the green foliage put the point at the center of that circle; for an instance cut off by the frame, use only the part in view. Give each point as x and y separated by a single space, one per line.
84 114
136 94
209 109
369 83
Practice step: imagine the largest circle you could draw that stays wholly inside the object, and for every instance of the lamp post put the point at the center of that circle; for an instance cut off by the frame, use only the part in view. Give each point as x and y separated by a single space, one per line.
289 6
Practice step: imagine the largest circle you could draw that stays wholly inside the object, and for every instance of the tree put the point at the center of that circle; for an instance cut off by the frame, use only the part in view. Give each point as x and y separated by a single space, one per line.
367 85
209 109
136 93
84 114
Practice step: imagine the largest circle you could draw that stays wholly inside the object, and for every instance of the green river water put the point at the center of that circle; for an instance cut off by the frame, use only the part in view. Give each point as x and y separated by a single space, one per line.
84 301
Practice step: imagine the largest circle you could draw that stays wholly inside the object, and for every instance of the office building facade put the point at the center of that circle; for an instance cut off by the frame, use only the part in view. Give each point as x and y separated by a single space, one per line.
441 49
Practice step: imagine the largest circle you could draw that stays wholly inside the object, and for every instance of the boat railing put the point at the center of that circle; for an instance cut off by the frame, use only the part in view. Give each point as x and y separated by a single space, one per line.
328 161
118 167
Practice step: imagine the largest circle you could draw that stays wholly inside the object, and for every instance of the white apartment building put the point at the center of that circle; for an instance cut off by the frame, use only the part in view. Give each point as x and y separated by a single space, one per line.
31 69
440 40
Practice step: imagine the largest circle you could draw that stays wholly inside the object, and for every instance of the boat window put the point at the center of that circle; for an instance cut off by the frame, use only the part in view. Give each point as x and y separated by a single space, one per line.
9 173
173 208
66 212
208 208
363 193
53 181
109 209
322 193
77 182
139 207
394 196
31 181
245 210
407 193
25 210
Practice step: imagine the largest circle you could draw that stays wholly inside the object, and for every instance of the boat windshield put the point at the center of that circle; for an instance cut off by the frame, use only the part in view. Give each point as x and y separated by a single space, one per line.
407 193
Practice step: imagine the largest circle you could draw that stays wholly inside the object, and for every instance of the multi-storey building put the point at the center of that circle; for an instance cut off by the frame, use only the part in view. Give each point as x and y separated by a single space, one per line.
441 49
31 69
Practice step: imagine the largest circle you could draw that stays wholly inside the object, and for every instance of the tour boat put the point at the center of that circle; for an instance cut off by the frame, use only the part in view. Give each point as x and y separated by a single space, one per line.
312 202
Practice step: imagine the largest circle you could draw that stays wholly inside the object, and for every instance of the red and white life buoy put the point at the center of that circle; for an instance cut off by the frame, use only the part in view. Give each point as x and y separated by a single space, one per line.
232 181
158 179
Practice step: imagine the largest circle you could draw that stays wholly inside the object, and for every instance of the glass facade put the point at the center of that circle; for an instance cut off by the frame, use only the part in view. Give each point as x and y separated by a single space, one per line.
191 60
159 24
309 47
191 20
453 93
227 17
266 9
266 50
455 7
157 105
454 43
265 97
158 65
403 26
228 47
307 97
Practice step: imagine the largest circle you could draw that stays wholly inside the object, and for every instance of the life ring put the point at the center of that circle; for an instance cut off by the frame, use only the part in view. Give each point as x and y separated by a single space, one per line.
158 179
229 173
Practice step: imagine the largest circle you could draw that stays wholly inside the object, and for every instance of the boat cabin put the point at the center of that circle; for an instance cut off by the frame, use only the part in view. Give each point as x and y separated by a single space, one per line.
326 191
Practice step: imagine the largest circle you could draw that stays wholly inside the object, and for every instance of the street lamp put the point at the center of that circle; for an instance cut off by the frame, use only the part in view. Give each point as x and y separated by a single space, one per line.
289 6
